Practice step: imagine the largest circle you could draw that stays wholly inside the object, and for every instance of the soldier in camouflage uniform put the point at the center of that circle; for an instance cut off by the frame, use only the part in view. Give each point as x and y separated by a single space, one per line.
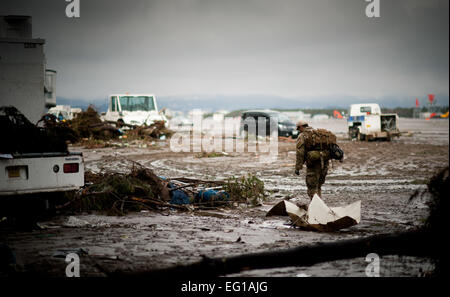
316 170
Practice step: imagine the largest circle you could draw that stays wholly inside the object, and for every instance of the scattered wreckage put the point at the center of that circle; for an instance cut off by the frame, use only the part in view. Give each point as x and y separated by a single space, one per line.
87 127
425 241
317 216
141 188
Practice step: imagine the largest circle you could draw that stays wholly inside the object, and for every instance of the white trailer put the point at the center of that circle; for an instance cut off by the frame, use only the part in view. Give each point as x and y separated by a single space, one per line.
366 122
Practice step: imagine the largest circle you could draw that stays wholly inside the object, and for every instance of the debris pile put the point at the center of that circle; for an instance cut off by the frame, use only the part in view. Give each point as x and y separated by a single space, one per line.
58 129
118 193
22 136
93 132
86 129
88 124
157 130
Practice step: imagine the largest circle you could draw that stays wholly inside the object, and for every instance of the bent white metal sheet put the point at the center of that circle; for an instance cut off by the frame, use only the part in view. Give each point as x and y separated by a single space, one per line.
319 216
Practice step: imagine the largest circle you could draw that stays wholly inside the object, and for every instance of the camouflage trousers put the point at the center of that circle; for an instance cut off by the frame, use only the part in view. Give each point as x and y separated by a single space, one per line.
315 178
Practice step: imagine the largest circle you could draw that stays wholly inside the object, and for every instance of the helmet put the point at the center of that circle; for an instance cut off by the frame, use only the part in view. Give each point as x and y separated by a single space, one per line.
301 123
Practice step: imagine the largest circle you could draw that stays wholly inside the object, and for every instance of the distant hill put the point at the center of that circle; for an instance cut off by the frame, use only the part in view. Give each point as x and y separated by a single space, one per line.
235 102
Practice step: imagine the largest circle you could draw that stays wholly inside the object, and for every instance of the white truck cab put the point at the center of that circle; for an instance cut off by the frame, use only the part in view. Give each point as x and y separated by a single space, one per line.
365 122
133 110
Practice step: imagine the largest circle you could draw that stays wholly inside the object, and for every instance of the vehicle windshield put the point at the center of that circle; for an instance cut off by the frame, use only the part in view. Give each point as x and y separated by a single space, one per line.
135 103
365 109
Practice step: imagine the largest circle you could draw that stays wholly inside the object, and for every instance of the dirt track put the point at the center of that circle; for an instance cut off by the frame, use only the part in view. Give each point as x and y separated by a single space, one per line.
383 175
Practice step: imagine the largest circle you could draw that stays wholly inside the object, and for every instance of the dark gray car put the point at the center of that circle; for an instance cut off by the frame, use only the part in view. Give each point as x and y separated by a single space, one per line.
258 122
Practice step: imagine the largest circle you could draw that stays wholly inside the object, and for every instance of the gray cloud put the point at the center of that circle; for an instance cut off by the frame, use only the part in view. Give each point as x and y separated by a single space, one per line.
288 48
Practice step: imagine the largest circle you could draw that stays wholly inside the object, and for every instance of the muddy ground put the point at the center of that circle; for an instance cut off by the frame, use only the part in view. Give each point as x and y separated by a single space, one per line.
383 175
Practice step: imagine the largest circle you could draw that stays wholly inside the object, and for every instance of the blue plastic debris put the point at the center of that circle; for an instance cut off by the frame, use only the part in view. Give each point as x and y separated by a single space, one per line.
211 195
179 197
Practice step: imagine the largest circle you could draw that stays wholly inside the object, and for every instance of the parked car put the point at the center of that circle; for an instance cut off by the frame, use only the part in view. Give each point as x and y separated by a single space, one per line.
251 123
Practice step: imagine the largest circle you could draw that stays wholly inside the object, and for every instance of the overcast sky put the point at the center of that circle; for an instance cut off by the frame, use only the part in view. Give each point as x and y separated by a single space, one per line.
289 48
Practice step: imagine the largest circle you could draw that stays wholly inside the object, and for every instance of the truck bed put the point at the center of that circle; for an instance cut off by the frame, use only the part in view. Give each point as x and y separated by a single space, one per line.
40 172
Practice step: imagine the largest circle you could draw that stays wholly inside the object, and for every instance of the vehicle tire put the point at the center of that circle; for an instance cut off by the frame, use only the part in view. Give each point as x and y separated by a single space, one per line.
353 133
361 137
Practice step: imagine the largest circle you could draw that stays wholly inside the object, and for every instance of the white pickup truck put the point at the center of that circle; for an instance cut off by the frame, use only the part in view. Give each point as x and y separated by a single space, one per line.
133 110
366 122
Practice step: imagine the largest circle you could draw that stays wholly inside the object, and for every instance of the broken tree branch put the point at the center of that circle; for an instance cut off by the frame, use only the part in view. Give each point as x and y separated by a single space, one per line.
159 203
198 181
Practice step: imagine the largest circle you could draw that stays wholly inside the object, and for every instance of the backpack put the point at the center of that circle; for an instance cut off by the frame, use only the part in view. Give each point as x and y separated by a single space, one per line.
323 140
319 139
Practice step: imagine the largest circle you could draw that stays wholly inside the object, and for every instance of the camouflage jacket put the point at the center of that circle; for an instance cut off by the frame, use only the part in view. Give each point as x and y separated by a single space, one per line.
301 150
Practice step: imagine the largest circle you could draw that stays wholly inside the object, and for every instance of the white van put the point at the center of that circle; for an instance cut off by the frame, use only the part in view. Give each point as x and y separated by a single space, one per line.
133 110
